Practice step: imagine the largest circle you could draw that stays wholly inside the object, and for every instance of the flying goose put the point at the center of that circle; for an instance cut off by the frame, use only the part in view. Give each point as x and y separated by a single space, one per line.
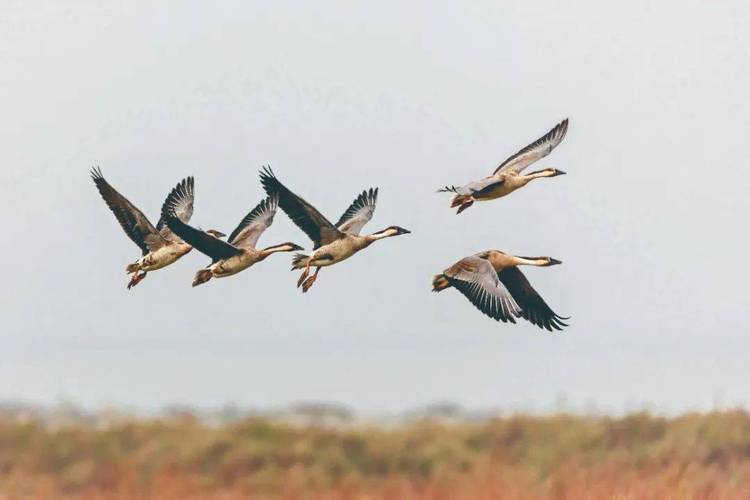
159 245
507 177
492 282
333 243
238 252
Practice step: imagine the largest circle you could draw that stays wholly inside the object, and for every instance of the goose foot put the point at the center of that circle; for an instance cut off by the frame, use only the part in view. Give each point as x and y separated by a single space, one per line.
308 283
464 206
303 276
137 278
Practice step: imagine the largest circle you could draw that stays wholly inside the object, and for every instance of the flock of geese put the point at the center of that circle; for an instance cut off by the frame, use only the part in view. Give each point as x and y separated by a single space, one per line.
490 279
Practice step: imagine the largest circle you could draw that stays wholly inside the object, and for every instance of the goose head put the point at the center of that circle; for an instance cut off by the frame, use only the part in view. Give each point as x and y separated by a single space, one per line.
391 231
549 261
539 261
285 247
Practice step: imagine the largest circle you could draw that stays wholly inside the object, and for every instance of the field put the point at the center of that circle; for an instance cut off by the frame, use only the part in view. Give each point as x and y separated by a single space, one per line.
641 456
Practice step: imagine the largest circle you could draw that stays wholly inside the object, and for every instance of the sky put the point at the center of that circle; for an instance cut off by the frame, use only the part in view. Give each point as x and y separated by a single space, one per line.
650 221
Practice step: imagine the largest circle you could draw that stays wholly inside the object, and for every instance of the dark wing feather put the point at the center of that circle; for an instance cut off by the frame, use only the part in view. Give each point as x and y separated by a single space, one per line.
136 225
204 242
487 187
184 206
259 219
478 188
533 307
536 150
359 212
305 216
477 280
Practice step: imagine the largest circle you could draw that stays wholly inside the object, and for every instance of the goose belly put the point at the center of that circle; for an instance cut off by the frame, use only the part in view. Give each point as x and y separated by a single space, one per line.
333 253
162 257
505 188
232 265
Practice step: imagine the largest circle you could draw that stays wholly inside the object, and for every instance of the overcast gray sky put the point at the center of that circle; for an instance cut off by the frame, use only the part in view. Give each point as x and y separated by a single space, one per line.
338 96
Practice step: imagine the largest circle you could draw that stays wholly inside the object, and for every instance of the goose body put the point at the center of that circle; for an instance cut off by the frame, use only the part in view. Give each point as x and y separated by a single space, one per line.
346 246
492 282
509 182
159 246
509 177
164 256
236 263
335 252
243 260
332 243
232 256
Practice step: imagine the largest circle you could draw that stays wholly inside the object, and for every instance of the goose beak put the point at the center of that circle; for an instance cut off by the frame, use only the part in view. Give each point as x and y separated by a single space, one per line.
559 172
553 262
405 231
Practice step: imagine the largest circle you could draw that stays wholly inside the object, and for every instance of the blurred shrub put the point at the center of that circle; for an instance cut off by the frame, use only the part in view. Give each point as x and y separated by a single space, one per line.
637 456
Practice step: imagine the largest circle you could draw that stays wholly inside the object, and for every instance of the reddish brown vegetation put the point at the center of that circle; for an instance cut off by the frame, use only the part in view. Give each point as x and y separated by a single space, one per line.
560 457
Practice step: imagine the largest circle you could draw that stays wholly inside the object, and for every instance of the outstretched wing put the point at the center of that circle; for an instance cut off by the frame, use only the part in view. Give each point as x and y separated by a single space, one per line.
305 216
536 150
534 308
136 225
477 280
201 240
359 212
184 208
259 219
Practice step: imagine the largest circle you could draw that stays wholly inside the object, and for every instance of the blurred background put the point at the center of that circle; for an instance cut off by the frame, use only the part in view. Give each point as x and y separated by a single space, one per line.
341 96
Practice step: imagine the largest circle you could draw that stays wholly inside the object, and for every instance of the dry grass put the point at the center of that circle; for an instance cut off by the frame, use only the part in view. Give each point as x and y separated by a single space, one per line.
560 457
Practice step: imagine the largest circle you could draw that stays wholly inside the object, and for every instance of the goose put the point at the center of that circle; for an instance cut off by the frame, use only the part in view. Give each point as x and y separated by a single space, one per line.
238 252
507 177
332 243
160 247
492 282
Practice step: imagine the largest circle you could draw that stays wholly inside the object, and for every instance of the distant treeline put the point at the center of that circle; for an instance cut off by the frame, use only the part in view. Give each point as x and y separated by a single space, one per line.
306 413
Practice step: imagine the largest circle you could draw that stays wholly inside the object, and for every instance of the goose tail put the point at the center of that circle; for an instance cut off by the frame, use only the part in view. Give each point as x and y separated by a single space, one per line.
202 276
299 261
440 283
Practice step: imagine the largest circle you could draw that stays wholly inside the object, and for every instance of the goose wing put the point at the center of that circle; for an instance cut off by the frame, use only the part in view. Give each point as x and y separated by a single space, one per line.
533 307
477 280
305 216
184 206
136 225
204 242
259 219
359 212
535 151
